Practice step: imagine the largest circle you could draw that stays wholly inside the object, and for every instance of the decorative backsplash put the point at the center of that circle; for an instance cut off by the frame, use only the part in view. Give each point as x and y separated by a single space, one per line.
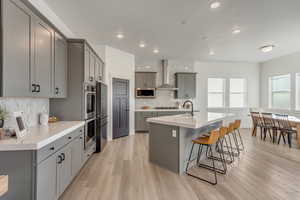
31 107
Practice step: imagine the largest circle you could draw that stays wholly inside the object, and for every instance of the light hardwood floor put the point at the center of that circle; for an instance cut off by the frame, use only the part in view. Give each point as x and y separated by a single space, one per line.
122 172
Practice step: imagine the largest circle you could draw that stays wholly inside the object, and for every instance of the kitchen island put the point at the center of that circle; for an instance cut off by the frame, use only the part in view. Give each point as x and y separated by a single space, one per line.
170 137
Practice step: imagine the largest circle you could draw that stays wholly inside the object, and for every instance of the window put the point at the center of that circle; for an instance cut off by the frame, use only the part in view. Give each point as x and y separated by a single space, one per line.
216 90
237 97
280 92
298 91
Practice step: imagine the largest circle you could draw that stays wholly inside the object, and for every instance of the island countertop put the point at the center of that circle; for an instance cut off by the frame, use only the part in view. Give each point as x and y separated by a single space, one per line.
199 119
40 136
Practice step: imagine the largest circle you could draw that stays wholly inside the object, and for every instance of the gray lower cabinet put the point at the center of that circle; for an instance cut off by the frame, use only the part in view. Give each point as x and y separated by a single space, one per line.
46 184
186 84
60 66
64 169
141 124
77 155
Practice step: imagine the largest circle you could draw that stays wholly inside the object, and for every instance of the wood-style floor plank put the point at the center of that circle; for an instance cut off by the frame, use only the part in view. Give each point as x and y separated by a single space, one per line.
264 171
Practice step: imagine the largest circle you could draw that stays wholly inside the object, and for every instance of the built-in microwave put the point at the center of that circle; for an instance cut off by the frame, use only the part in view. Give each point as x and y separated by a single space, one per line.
145 93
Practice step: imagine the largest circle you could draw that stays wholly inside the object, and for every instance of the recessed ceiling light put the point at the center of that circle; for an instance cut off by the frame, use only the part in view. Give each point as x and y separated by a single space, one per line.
120 36
156 51
267 48
211 53
142 45
236 31
215 4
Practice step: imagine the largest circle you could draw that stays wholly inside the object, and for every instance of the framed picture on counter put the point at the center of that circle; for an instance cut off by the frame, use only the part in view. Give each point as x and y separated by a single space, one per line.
21 129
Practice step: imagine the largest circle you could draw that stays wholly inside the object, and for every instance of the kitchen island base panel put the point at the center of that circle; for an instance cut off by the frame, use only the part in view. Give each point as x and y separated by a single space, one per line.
169 146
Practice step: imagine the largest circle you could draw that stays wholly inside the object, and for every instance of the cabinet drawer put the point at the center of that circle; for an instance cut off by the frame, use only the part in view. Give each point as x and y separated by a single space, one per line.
46 151
50 149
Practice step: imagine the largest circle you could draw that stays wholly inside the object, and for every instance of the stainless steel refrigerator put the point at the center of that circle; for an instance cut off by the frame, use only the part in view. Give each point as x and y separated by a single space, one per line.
101 114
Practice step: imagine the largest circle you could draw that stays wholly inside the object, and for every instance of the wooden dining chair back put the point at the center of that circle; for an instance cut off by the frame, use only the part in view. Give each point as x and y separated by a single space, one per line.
283 121
268 120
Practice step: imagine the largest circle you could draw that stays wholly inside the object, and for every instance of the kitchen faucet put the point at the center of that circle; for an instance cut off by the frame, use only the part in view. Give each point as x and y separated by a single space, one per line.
189 101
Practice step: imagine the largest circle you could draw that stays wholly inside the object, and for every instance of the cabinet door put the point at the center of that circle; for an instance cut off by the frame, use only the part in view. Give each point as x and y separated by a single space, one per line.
76 155
150 80
43 40
92 67
47 179
139 80
64 169
17 20
87 65
60 66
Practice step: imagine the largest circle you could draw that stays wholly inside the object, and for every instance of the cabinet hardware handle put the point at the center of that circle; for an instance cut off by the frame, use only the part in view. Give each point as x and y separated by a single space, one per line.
91 78
56 90
63 156
81 138
59 159
33 88
69 138
52 148
39 88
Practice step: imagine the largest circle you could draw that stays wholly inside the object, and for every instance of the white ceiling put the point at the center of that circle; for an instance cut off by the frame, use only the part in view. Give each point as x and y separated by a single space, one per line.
159 24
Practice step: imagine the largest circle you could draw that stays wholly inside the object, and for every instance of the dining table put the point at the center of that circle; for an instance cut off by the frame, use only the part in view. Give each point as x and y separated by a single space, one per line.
294 121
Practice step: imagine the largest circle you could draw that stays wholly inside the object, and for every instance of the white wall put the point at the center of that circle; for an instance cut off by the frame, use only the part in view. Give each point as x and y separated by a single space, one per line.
289 64
249 71
119 64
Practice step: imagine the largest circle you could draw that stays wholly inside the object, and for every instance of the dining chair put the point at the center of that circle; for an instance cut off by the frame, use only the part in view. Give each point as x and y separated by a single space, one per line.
257 123
269 125
285 128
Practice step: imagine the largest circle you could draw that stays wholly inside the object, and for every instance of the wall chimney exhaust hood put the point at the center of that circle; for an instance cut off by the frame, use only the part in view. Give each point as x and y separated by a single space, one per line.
166 77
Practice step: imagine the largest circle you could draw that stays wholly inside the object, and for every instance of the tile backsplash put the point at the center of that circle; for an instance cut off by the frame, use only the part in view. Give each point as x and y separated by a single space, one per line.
31 107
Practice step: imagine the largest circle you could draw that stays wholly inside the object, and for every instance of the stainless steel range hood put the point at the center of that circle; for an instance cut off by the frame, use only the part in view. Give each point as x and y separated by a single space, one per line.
166 77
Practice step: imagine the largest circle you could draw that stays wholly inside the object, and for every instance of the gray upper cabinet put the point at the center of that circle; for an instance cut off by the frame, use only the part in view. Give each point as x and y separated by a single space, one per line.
99 70
16 59
41 72
87 65
92 67
60 66
145 80
31 67
186 84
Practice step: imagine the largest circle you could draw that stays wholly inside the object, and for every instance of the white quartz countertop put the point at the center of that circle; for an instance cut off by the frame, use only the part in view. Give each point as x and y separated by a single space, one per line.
200 119
40 136
162 110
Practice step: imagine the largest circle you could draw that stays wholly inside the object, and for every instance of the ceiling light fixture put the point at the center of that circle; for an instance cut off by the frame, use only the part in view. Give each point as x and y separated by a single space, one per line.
267 48
120 36
156 51
215 4
142 45
236 31
211 53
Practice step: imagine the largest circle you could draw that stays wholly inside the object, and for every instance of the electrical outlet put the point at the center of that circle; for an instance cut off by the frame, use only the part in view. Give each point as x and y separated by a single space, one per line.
174 133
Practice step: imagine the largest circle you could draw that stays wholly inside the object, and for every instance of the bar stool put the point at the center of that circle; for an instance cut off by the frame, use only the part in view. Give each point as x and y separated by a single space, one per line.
231 132
220 148
208 142
237 125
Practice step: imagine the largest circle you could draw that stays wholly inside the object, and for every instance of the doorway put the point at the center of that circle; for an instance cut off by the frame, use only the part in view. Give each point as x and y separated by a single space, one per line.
120 108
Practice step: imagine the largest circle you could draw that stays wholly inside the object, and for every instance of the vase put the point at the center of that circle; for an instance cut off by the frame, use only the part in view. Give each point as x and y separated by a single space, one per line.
1 123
